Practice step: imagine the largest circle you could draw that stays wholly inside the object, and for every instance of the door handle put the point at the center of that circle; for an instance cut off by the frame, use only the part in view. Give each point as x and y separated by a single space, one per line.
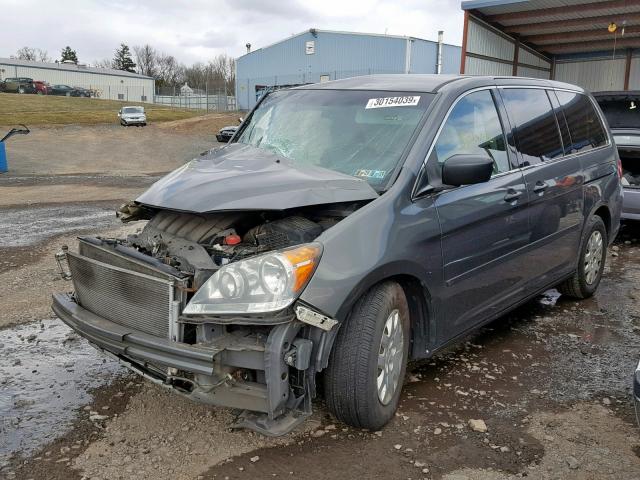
512 195
540 187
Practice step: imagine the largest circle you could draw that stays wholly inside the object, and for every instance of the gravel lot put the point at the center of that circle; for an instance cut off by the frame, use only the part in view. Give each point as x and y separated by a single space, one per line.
551 381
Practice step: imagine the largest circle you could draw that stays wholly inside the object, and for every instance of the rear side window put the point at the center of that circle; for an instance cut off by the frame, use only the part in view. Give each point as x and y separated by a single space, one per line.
585 127
536 131
473 127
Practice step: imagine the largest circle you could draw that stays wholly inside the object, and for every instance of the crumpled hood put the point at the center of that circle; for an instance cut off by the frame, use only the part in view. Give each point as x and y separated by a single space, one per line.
242 177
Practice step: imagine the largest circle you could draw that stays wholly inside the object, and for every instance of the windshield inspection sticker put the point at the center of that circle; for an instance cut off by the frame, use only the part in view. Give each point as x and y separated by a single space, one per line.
371 173
408 101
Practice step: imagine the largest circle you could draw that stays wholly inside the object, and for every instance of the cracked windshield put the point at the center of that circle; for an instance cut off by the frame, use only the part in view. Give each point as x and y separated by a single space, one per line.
359 133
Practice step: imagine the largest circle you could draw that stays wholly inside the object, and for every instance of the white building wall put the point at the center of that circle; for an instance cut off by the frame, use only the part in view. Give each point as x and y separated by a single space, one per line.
480 66
490 52
108 86
532 72
483 41
594 75
634 74
528 58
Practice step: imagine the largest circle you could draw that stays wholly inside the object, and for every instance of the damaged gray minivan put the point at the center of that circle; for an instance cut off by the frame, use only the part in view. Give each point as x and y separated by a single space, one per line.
347 228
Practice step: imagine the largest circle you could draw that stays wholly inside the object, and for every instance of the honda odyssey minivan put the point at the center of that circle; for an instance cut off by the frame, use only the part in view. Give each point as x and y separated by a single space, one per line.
348 228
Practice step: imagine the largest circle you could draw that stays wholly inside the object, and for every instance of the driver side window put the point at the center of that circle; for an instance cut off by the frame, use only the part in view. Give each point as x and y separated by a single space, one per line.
473 127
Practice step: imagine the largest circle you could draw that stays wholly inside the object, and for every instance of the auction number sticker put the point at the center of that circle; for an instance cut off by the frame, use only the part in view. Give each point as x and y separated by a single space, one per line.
408 101
379 174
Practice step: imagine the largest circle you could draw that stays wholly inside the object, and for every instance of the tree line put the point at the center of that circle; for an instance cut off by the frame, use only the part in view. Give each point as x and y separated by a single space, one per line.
216 75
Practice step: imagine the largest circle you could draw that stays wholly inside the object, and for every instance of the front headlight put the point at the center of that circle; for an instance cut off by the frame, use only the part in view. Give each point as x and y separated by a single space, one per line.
264 283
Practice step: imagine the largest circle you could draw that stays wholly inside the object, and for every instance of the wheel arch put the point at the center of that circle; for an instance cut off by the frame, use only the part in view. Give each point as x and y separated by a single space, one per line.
420 307
602 211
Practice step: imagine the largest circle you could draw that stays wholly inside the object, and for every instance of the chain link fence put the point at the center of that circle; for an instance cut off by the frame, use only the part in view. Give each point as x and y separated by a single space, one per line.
216 100
208 100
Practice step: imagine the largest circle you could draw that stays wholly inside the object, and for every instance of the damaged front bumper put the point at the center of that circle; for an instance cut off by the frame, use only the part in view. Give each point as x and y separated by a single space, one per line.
270 375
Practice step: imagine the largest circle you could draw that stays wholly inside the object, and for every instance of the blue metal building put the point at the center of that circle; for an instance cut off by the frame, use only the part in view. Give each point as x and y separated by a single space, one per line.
321 55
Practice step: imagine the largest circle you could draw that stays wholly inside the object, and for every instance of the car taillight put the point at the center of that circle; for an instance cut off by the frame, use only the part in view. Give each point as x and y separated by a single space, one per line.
619 168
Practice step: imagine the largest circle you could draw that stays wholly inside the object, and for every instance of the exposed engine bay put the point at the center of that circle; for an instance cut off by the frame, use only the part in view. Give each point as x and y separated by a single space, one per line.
264 363
199 244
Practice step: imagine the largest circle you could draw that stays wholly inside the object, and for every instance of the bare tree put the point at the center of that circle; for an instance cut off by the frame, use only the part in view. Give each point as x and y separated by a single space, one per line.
147 60
224 69
170 72
216 76
104 63
26 53
32 54
43 55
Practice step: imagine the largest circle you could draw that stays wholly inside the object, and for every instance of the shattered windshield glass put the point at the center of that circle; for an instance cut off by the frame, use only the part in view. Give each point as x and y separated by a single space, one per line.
360 133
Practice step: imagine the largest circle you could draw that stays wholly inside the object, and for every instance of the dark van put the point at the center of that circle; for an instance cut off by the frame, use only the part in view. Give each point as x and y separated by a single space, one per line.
347 228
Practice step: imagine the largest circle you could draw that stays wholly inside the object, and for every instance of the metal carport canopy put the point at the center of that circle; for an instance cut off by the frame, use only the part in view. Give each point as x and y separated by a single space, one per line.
560 27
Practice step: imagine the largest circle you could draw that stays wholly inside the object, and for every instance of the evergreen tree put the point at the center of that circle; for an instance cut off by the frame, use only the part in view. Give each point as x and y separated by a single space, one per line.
69 54
123 60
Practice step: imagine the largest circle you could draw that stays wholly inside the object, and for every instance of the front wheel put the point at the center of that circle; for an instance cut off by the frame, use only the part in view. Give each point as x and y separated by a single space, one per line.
593 253
368 361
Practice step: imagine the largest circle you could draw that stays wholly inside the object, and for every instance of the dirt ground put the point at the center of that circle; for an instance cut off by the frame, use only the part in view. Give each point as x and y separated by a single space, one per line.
112 150
551 381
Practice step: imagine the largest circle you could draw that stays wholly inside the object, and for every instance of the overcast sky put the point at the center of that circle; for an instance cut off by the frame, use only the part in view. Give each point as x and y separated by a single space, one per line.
197 30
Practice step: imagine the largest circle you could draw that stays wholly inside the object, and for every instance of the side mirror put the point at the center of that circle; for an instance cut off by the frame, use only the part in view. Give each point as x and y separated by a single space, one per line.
240 120
466 170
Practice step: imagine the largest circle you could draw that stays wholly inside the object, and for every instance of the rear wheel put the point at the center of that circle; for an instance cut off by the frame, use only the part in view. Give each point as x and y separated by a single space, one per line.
368 361
593 253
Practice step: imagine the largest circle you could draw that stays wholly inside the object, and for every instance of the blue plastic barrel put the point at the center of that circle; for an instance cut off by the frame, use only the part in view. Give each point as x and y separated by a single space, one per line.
3 159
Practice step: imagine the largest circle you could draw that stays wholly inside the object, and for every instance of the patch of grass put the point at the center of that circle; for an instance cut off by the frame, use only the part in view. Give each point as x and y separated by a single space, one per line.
53 110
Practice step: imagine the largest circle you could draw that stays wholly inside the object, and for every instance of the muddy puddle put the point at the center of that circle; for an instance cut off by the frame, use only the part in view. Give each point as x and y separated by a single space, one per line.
46 374
21 227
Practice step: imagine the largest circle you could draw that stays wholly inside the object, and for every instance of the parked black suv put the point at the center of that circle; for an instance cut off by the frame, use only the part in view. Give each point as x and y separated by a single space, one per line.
349 227
18 85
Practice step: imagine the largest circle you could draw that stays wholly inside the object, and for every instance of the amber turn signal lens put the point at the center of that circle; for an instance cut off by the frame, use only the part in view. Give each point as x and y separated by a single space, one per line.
304 261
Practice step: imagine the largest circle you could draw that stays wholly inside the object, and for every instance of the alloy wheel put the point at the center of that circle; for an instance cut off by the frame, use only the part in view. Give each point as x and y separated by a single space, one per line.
593 257
390 356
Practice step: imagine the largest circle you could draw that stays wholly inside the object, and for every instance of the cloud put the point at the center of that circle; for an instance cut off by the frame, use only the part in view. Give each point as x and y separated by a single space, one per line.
197 30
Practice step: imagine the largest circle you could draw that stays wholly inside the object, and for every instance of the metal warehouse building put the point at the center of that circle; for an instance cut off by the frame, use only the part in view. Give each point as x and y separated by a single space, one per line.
591 43
108 83
321 55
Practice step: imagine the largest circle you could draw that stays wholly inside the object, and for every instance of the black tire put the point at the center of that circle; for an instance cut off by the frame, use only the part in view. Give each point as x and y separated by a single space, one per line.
578 286
350 381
